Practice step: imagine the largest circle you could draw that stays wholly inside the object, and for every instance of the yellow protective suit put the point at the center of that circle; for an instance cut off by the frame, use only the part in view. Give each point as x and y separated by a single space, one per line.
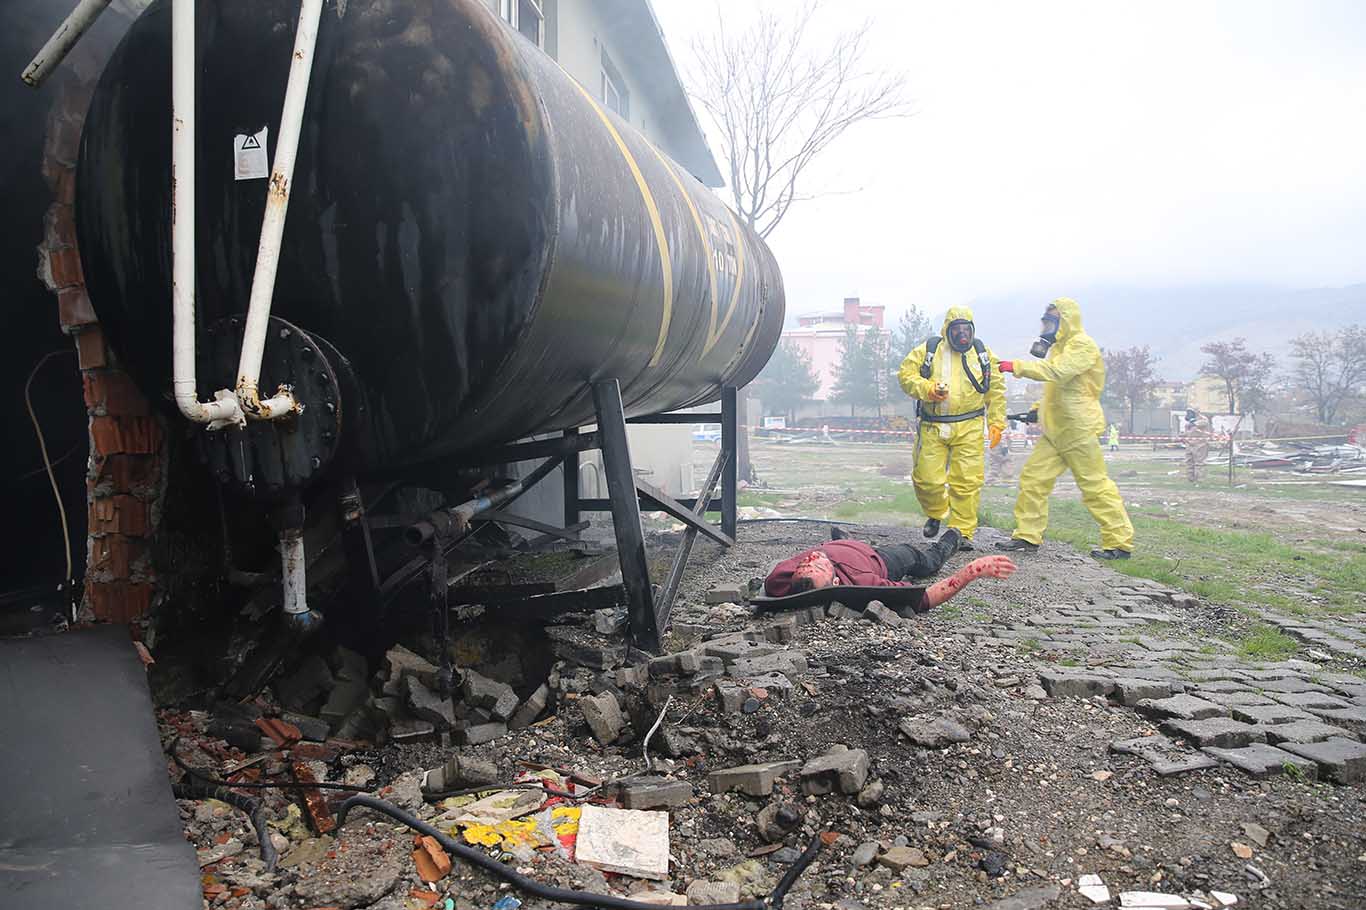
1071 419
949 463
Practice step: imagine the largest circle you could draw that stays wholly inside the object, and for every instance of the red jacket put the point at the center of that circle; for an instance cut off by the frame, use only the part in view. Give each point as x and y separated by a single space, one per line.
856 563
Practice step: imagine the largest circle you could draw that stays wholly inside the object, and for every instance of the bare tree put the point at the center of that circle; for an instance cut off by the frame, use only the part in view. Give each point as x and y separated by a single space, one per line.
779 97
1129 374
1331 368
1243 373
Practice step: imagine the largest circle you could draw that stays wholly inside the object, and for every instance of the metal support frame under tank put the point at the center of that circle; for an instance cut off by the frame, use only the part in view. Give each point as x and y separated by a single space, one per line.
648 605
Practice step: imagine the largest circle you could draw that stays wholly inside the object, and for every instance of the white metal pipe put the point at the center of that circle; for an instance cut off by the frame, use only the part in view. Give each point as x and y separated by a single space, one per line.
223 410
295 581
273 225
62 40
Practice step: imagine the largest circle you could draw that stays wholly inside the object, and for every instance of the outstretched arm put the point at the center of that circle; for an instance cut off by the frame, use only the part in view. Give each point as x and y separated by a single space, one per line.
994 566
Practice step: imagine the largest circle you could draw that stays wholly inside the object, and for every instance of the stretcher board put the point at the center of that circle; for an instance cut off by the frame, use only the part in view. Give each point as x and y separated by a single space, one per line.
855 597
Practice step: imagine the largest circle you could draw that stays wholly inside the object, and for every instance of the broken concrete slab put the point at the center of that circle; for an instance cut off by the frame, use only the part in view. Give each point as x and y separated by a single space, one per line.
1163 755
478 734
428 705
934 734
529 710
1261 760
731 649
604 716
789 663
752 780
1182 707
880 613
1312 700
497 698
1354 718
654 793
845 769
1343 761
1215 731
625 841
579 646
726 594
458 773
1229 699
310 680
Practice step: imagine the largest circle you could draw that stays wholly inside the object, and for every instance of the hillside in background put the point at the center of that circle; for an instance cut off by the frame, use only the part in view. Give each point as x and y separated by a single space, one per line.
1175 322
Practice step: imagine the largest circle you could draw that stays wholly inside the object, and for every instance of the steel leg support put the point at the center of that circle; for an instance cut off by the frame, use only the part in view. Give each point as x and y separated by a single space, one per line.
730 439
621 488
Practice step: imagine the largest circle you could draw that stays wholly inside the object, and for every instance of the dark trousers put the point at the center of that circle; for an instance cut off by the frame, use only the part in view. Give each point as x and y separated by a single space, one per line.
906 560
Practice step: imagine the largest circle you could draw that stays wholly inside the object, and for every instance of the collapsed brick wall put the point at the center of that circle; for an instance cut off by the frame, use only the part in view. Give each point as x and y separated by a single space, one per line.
127 442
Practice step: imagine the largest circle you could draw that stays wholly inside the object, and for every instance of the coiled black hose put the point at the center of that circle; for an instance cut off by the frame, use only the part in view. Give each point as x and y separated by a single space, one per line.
254 808
774 900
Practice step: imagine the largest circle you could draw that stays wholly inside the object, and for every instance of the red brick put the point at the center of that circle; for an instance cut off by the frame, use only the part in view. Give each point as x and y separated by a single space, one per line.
59 226
90 347
118 435
115 394
74 308
64 264
62 179
112 556
120 514
136 474
119 601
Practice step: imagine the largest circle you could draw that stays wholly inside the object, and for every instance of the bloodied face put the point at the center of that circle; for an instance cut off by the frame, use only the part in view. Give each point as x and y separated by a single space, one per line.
815 570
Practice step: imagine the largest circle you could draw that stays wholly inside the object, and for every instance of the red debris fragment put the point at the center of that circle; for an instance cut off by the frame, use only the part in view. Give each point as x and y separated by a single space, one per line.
314 804
280 732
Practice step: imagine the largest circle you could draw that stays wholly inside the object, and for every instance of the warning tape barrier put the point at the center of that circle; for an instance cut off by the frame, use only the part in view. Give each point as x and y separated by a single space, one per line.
1221 438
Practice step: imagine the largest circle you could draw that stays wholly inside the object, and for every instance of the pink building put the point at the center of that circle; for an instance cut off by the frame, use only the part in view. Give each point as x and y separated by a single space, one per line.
820 336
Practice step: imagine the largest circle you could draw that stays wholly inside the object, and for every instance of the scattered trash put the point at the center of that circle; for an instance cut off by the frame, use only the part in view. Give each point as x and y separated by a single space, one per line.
627 841
1224 898
1093 889
507 902
1153 900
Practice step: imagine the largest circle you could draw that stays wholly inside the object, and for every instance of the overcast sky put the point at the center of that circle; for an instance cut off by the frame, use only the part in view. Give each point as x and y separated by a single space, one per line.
1060 144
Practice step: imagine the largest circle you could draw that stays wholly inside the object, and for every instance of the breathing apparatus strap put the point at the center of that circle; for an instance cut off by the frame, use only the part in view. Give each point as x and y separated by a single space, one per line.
983 361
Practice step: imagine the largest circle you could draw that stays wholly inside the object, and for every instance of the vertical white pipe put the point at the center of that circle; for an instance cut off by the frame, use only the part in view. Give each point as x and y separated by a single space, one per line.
62 40
273 224
224 408
295 582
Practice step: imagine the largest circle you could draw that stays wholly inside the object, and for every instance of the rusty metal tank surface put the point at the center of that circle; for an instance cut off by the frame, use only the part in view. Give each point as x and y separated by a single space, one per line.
467 226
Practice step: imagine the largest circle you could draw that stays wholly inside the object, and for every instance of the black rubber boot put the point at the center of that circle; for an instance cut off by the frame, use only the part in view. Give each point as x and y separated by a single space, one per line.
1016 545
1109 554
966 546
932 527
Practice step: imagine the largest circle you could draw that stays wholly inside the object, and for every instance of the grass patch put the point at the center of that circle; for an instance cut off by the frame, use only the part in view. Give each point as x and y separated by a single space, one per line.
1267 643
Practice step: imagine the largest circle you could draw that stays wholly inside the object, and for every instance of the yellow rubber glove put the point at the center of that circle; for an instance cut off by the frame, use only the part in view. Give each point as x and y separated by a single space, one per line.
994 434
940 392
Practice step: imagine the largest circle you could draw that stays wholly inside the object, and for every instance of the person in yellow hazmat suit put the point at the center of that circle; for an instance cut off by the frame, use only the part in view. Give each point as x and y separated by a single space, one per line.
1073 373
951 376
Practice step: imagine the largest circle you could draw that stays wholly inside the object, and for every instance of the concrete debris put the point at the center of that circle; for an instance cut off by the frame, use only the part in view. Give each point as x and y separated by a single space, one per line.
1182 707
625 841
495 697
427 705
1093 889
459 773
1261 760
722 594
880 613
934 734
1216 731
1340 760
604 717
535 705
899 858
654 793
843 769
751 780
502 806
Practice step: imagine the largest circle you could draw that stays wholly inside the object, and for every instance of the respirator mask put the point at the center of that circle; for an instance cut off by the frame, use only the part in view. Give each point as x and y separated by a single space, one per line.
960 335
1048 333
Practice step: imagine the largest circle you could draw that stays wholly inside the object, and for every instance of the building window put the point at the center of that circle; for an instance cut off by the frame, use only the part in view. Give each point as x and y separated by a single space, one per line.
526 16
614 93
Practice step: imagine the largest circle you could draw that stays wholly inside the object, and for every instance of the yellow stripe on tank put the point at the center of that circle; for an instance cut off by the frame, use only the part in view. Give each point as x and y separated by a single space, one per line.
665 264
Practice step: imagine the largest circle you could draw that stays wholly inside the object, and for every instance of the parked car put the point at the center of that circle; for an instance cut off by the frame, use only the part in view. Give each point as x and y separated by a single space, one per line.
706 432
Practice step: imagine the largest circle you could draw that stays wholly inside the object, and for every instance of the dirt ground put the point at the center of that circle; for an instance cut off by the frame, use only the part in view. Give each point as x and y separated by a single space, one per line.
989 727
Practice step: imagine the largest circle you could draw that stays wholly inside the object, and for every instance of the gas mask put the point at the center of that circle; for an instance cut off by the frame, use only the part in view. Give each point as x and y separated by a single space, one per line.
960 335
1048 333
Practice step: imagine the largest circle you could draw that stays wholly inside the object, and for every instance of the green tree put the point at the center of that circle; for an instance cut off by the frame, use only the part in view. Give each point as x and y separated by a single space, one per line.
1243 373
912 328
860 373
1129 378
1330 369
788 380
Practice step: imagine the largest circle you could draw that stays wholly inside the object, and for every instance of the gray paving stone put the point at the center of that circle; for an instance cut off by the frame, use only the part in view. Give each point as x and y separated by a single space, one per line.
1290 685
1163 755
1183 707
1261 760
1075 685
1130 691
1229 699
1342 761
1353 718
1268 714
1312 700
1303 731
1215 731
1228 685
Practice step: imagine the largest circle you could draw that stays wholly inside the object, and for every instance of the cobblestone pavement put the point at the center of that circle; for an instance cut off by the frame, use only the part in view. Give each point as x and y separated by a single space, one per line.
1099 634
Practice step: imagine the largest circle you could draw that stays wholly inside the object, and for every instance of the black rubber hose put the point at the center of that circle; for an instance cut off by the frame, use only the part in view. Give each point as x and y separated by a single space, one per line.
254 809
774 901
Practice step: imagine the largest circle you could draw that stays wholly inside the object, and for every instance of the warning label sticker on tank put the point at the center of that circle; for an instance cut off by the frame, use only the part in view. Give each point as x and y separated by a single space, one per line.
249 158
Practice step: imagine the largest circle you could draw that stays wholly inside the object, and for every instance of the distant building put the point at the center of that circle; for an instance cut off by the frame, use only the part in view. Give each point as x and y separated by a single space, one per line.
821 337
1208 395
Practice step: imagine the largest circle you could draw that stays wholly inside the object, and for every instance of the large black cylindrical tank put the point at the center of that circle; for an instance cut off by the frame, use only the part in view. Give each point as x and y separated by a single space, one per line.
467 225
